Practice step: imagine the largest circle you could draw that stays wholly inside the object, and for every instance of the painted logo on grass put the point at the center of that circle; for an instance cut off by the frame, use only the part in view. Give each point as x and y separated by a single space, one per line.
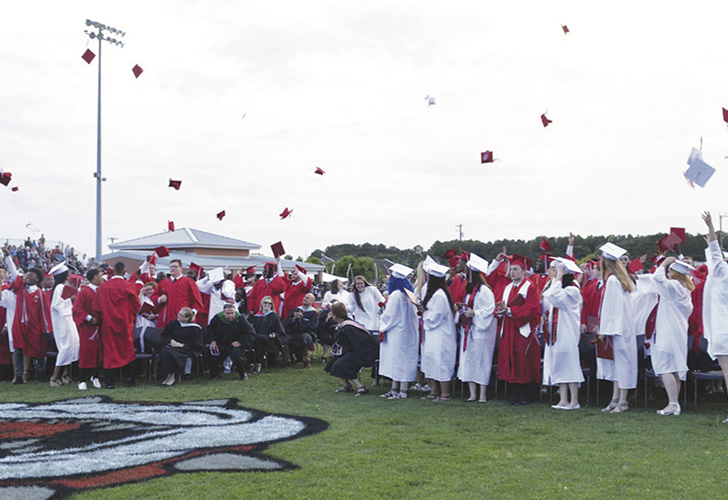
50 450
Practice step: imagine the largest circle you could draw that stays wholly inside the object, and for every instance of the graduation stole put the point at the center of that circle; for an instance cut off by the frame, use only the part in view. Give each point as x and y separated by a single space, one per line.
605 350
550 334
466 322
518 300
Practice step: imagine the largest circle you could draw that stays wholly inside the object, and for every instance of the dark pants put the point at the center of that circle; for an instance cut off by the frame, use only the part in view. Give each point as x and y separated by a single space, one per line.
127 373
237 355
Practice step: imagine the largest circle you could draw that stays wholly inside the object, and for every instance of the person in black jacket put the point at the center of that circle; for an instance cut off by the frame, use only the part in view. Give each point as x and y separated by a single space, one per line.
270 333
183 340
301 324
229 334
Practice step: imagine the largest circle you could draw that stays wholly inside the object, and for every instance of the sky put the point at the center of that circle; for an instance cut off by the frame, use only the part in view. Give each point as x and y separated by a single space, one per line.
242 100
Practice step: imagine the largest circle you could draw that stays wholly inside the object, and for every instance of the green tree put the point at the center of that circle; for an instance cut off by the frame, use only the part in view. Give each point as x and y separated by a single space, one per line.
359 265
314 260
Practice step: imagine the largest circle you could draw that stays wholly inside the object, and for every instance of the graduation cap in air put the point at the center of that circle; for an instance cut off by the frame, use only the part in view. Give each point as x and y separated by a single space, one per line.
565 28
14 189
88 56
170 225
679 232
319 171
277 249
725 115
286 213
544 246
162 251
430 100
137 70
175 184
5 178
635 265
486 157
669 241
220 215
699 171
545 120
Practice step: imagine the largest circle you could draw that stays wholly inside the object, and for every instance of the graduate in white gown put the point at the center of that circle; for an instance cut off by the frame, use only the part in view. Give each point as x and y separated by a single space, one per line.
65 332
399 334
562 303
478 330
440 346
617 346
669 349
363 304
715 301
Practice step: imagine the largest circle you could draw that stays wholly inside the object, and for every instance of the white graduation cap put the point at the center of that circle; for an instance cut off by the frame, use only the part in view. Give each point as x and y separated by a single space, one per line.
400 271
217 275
58 269
699 171
437 270
429 262
430 100
682 267
477 263
611 251
569 265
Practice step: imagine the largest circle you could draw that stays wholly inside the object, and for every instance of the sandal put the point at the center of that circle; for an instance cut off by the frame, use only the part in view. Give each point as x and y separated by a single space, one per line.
66 379
621 408
362 390
346 388
430 397
56 383
442 398
26 376
611 406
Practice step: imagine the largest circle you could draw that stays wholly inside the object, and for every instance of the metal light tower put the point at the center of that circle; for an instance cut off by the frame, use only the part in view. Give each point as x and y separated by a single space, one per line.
101 37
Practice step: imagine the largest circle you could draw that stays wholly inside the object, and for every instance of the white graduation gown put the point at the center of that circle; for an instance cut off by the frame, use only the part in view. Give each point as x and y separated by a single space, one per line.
715 302
670 345
218 296
8 301
617 321
440 346
561 363
342 296
65 332
369 315
476 361
400 349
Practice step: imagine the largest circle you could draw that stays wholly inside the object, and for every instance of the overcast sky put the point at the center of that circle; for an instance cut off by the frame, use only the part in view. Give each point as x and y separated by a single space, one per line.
341 86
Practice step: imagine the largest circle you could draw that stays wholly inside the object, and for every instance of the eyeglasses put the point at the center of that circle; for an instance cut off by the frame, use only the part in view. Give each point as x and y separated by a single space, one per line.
268 303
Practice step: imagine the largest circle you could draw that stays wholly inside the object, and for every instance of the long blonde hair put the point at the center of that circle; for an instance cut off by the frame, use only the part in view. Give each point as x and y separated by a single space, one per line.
614 267
684 280
420 276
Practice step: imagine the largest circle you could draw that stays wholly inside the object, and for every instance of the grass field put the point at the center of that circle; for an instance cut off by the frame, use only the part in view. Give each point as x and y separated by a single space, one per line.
375 448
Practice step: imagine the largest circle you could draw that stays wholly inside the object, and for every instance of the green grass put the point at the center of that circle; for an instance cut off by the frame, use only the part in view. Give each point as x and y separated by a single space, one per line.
375 448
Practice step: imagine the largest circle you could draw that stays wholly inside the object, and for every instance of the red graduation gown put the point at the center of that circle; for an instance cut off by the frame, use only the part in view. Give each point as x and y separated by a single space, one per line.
90 351
261 289
519 357
457 288
32 320
295 292
182 292
591 293
116 304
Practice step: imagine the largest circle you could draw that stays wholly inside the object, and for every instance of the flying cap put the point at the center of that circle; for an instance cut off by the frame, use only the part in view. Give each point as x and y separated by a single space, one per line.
277 249
170 225
286 213
5 178
635 265
58 269
681 267
449 254
725 115
486 157
220 215
430 100
544 246
611 251
477 263
14 189
679 232
88 56
216 275
175 184
520 260
301 269
137 70
400 271
162 251
565 28
319 171
569 265
545 120
699 171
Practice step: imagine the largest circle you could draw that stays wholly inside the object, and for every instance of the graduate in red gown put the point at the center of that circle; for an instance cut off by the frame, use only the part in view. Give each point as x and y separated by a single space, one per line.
174 293
32 317
270 284
518 309
459 280
90 357
298 284
116 305
591 293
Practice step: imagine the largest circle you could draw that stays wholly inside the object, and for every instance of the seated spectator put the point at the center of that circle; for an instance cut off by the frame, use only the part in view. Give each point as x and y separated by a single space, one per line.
229 334
183 341
270 333
301 324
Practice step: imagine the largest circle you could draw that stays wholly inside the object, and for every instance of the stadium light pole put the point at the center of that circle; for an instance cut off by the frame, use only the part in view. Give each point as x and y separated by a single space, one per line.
101 38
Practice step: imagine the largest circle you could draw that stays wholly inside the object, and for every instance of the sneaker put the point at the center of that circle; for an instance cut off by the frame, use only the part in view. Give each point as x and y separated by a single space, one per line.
82 386
426 388
244 376
388 395
417 387
96 382
398 395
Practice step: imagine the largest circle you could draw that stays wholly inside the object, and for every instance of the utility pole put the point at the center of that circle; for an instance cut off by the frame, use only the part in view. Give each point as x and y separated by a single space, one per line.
460 231
101 37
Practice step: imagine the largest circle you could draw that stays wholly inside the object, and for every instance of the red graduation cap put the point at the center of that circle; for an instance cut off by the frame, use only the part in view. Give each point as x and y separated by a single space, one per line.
277 249
319 171
170 225
463 255
88 56
220 215
301 269
520 260
565 28
486 157
196 268
137 70
545 120
725 115
679 232
152 259
635 266
14 189
286 213
250 270
449 254
669 241
175 184
162 251
544 246
5 178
